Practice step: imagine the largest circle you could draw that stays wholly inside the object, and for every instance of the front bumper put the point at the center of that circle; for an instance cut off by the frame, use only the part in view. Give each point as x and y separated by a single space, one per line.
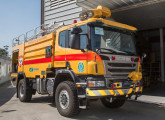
113 93
108 92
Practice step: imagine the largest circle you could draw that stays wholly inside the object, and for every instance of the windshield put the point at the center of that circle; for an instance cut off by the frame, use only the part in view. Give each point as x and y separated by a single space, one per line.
109 39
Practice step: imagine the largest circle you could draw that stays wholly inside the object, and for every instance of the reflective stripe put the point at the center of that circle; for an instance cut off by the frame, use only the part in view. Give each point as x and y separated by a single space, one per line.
111 92
107 92
120 92
130 91
116 92
90 93
141 88
137 88
96 93
102 92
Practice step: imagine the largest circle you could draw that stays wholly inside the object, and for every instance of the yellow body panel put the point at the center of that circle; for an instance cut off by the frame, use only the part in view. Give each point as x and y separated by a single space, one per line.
33 53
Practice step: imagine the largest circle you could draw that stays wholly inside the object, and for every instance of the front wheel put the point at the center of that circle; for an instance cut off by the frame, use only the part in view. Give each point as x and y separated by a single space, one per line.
66 99
24 94
114 104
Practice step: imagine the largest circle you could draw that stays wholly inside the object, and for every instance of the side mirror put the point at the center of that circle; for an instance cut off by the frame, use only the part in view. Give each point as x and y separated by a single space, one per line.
76 30
75 41
75 37
144 55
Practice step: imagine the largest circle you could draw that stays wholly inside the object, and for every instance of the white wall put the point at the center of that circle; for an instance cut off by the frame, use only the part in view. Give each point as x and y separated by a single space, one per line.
4 69
60 11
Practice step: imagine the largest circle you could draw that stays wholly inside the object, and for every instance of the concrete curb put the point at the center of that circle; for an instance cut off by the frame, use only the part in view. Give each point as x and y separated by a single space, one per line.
148 102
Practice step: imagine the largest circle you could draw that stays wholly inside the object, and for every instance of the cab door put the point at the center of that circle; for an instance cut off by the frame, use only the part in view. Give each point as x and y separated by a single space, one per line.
60 49
77 59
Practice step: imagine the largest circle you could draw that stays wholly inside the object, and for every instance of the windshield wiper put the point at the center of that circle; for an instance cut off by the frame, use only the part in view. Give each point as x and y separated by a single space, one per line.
130 53
111 50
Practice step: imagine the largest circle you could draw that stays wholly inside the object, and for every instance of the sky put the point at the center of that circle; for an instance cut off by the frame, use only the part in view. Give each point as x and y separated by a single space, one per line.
17 17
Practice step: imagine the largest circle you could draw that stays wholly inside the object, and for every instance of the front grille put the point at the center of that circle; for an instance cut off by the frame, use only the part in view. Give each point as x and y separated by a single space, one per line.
121 64
119 69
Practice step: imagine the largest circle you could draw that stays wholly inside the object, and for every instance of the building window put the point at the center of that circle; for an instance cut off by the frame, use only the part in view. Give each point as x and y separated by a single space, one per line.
62 38
57 3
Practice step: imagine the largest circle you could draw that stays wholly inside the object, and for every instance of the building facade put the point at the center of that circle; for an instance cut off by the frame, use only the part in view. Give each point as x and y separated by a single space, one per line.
59 11
5 66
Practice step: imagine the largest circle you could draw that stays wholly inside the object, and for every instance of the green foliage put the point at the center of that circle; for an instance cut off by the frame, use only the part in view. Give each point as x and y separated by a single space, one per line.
3 52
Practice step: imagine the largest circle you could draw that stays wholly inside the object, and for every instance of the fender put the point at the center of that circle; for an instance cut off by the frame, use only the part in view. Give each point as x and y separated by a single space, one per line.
66 71
74 77
21 75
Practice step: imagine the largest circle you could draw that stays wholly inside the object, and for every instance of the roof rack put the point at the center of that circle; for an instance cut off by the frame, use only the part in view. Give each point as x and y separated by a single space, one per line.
36 33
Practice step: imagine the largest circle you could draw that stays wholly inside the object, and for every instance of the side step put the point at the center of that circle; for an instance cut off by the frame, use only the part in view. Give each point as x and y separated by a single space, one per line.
83 107
83 102
81 96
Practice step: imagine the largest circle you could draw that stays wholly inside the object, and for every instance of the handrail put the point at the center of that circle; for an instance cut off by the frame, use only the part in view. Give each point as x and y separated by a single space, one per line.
43 30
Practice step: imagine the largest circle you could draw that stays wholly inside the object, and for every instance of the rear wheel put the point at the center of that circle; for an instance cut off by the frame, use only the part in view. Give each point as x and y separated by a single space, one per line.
66 99
24 94
114 104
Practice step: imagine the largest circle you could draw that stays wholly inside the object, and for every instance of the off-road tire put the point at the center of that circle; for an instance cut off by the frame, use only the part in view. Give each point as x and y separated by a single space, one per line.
27 93
73 106
115 104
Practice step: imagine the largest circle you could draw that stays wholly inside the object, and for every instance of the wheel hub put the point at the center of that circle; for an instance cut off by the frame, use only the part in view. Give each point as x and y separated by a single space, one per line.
64 99
21 91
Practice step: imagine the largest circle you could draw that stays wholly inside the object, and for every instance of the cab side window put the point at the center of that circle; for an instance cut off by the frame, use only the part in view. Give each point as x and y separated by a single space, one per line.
83 38
62 38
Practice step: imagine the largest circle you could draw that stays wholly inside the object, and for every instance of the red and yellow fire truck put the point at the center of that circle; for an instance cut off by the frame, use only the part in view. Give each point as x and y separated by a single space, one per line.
92 59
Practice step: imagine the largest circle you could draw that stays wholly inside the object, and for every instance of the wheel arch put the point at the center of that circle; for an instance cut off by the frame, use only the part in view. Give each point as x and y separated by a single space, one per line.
21 75
63 75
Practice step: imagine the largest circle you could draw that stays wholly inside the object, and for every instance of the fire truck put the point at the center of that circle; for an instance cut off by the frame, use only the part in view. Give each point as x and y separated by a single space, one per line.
92 59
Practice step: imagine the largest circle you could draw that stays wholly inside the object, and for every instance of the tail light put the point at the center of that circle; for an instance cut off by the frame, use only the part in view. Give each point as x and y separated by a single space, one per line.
132 59
114 86
113 58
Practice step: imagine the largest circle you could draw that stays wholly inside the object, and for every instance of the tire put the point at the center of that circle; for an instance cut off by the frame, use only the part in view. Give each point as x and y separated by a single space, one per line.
24 94
66 93
115 104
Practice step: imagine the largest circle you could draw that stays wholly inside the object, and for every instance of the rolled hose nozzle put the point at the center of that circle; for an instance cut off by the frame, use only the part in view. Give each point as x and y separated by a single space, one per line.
135 76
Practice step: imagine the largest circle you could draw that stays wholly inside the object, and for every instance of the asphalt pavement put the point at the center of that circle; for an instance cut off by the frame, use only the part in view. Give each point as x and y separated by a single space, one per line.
43 108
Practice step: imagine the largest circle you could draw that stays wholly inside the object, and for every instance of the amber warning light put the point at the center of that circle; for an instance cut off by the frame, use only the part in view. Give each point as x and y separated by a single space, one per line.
99 12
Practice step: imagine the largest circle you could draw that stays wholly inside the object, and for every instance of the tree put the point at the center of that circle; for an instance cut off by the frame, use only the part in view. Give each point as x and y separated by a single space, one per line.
3 52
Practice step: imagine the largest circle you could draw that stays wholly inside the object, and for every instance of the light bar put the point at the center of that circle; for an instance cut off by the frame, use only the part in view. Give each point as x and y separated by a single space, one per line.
100 12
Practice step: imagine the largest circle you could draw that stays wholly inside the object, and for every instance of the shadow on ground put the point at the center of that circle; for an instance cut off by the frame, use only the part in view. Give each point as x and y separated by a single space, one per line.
44 99
6 93
158 90
132 110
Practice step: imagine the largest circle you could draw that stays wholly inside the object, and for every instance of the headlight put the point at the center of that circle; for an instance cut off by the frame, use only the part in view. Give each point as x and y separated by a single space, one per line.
96 83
